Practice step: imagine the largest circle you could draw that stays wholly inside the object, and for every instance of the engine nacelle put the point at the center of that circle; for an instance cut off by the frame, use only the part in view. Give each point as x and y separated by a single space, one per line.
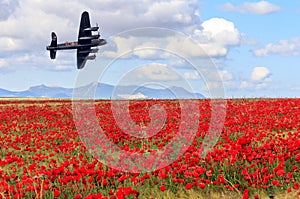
91 57
102 42
91 28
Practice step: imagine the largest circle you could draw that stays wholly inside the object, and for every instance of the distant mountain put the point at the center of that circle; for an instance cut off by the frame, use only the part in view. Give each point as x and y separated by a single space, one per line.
103 91
6 93
45 91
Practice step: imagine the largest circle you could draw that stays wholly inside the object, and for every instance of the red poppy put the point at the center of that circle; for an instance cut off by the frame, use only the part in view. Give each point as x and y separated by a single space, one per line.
189 185
56 192
162 188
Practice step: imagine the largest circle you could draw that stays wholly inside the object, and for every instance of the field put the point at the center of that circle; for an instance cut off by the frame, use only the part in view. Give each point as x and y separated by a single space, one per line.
43 155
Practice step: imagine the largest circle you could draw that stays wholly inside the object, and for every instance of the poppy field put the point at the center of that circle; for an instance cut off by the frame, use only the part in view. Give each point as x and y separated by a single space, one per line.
256 154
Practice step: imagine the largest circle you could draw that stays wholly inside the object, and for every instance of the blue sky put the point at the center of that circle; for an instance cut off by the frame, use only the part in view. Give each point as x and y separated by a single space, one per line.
253 45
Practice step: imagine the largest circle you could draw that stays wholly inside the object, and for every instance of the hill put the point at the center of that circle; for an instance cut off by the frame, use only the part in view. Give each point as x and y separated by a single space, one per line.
103 91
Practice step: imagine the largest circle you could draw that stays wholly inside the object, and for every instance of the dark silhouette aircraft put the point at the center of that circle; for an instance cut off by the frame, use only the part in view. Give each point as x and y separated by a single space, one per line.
86 40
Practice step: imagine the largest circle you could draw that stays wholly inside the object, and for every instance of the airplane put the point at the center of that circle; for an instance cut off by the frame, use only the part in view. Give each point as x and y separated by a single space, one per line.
84 45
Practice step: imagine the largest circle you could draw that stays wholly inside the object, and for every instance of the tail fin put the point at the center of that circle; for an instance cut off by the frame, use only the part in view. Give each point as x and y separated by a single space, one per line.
53 44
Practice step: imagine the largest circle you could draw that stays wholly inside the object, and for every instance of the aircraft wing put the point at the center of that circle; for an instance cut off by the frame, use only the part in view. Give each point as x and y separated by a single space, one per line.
84 29
81 59
83 52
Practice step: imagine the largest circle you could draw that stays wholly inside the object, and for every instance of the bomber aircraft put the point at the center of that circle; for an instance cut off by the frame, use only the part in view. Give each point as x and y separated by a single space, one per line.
84 45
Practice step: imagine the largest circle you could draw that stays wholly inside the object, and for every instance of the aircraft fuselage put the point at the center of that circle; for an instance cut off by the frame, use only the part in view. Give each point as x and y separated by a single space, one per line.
75 45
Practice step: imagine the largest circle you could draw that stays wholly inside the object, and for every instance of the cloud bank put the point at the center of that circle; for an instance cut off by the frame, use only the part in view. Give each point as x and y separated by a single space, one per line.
290 47
258 8
27 24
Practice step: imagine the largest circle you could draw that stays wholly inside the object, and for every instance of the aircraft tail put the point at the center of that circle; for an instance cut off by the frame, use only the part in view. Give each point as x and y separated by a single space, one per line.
53 44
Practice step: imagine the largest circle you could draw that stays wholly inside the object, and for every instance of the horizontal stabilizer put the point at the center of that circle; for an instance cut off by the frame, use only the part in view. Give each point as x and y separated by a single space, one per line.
52 54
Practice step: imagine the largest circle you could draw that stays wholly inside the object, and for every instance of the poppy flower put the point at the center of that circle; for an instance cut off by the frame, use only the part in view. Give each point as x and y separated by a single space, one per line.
162 188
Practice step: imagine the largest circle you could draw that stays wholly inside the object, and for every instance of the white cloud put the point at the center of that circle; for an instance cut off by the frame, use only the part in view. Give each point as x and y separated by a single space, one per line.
7 7
26 28
217 36
207 74
3 63
188 47
175 14
134 96
260 77
214 39
4 66
156 72
122 46
225 75
152 73
62 68
29 27
259 74
179 63
115 16
259 8
194 75
8 44
220 31
289 47
25 58
245 84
